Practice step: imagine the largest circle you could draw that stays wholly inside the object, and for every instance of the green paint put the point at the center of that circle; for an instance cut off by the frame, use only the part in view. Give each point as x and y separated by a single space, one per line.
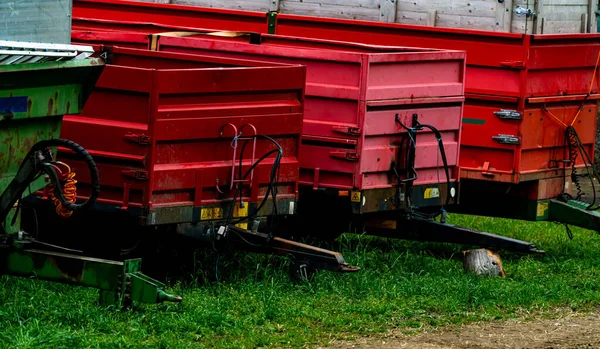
120 283
574 213
472 121
271 22
33 99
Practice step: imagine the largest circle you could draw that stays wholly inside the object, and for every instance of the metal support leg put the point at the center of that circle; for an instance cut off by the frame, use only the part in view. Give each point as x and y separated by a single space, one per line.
433 231
120 283
242 239
574 213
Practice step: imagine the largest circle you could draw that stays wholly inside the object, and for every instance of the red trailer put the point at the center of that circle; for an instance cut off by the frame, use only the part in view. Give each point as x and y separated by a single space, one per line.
370 102
357 99
531 100
203 144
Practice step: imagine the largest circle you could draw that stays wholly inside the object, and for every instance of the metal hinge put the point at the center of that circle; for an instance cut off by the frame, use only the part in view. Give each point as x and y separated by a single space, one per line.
508 114
521 11
507 139
349 130
344 155
141 175
137 138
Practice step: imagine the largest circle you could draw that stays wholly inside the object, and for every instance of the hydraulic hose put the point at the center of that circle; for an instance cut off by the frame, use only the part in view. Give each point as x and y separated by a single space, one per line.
31 167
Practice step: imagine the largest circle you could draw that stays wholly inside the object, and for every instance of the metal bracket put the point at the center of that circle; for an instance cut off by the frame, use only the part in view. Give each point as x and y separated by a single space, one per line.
514 64
345 155
141 175
141 139
507 139
271 22
521 11
509 114
349 130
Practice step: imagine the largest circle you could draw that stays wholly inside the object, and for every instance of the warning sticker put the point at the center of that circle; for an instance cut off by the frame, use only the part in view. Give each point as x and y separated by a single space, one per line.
542 208
241 212
431 193
355 197
211 213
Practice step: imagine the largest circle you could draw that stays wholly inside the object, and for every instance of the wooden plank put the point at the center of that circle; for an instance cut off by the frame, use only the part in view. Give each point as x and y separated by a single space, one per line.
247 5
388 11
561 27
328 9
475 8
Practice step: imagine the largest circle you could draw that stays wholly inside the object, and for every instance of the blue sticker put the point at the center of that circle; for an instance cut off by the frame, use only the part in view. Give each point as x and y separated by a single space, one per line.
13 105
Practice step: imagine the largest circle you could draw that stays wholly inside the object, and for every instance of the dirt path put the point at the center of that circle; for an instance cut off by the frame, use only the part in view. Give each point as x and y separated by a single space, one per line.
563 331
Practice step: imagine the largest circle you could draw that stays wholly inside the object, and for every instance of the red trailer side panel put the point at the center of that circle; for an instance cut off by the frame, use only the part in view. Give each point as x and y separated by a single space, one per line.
504 71
166 131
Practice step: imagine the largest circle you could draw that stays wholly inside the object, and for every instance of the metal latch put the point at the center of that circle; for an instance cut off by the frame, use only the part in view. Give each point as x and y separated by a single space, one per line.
507 139
521 11
513 64
137 138
345 155
349 130
508 114
141 175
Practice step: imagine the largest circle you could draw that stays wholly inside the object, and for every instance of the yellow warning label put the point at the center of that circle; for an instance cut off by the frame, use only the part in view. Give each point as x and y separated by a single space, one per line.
241 212
542 208
431 193
355 196
209 213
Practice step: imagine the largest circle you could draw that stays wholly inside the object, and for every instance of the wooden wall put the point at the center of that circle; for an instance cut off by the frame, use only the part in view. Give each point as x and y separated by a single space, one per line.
552 16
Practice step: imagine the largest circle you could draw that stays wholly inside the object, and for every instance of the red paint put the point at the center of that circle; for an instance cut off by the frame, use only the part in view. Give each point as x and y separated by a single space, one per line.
179 115
353 93
500 67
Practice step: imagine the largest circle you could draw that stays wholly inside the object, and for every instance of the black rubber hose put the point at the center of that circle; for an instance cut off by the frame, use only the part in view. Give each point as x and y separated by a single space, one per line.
94 175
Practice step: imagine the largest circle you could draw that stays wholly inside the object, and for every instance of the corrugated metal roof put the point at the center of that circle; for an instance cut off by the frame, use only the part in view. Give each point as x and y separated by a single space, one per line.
14 52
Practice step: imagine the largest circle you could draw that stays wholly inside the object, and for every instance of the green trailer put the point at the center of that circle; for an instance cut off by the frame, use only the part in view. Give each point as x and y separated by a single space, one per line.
39 83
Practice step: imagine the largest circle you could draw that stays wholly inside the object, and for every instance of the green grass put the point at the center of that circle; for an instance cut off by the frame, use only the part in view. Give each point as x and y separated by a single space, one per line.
403 285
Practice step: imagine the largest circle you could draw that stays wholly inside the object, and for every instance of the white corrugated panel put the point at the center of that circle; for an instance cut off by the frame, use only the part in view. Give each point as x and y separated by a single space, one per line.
12 52
46 21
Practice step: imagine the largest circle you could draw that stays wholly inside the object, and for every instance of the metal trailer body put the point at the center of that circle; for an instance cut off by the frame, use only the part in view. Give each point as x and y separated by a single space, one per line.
522 93
340 80
40 83
512 80
170 149
357 98
203 146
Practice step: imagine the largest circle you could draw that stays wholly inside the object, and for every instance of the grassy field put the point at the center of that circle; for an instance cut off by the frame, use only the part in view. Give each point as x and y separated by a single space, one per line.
403 285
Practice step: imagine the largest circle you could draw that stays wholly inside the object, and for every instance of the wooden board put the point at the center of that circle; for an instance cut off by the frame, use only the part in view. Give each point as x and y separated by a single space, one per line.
551 16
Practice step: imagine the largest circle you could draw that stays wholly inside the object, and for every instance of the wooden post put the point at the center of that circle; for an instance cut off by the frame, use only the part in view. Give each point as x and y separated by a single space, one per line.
592 19
387 10
431 18
504 16
538 20
273 5
483 262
